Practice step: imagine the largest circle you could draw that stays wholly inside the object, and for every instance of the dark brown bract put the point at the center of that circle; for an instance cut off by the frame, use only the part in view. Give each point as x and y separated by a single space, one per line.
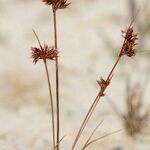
44 53
48 2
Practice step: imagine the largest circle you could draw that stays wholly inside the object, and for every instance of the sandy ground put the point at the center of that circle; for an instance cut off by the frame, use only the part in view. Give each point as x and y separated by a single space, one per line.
89 38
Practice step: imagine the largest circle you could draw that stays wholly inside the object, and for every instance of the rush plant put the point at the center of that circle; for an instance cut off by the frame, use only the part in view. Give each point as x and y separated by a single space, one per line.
46 52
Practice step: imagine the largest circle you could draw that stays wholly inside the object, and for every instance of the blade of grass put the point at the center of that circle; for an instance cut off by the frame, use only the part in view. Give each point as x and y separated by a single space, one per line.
97 139
95 129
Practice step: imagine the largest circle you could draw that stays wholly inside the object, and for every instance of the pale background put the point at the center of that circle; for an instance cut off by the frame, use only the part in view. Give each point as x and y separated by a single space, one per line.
89 39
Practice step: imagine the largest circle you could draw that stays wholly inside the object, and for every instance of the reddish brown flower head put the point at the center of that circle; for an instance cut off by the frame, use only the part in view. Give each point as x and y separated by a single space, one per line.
130 37
57 4
103 85
128 49
44 53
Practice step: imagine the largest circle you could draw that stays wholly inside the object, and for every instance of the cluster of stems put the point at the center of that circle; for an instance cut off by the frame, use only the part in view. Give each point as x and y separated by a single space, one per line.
51 53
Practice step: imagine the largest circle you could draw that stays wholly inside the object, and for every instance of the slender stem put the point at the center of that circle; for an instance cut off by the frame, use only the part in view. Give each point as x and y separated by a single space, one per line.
93 106
91 112
51 101
101 92
50 90
57 80
132 8
88 140
84 122
112 70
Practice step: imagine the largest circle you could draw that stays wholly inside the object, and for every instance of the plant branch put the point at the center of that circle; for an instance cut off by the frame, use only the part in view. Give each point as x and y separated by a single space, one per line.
94 104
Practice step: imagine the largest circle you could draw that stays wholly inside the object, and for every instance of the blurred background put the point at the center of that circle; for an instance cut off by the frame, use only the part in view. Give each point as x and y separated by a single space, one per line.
89 38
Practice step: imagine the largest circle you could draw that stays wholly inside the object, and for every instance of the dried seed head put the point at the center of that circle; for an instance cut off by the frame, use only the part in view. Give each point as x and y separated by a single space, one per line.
129 34
130 38
44 53
128 49
36 54
103 85
57 4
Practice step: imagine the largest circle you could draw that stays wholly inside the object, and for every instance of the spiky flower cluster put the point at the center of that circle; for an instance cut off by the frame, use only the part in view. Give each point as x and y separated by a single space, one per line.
128 49
57 4
130 37
103 85
44 53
